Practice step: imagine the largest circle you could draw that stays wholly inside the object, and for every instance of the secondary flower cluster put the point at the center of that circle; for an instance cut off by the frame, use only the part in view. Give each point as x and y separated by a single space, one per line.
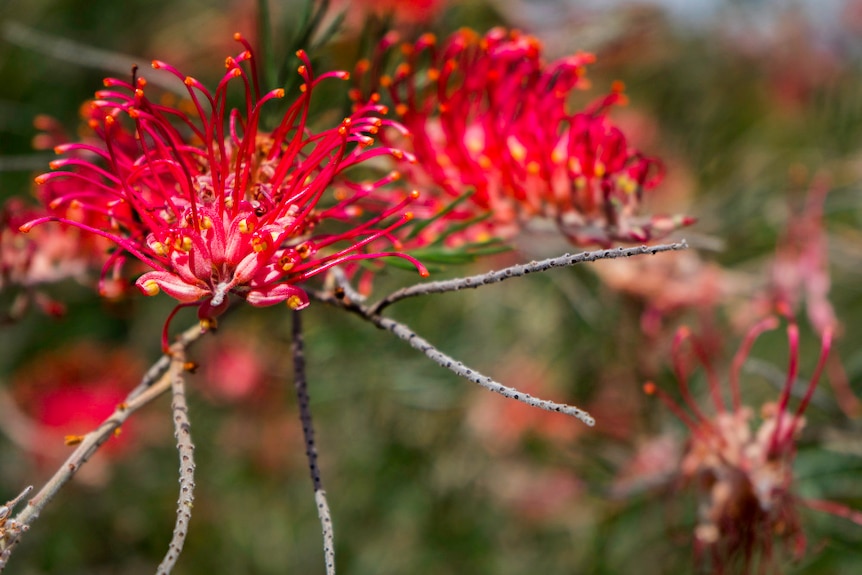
744 473
213 202
488 114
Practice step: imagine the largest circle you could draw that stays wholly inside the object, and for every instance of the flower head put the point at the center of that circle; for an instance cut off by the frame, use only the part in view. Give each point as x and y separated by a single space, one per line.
214 203
744 472
488 114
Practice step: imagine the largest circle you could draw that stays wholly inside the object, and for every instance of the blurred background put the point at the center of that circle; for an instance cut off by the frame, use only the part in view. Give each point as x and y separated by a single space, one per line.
755 107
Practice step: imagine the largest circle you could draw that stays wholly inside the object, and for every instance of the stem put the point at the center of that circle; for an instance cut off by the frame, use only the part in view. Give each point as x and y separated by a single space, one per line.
300 383
518 271
185 447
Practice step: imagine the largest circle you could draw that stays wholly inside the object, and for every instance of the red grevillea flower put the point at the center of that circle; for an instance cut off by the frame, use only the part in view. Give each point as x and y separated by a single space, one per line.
488 114
744 472
215 204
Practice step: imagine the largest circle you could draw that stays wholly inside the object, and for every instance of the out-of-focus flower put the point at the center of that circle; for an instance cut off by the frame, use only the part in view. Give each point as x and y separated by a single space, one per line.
415 12
235 368
488 115
215 204
744 471
69 392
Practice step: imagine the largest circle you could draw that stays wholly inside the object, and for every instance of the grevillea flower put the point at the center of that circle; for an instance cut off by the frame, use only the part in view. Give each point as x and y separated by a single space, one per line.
744 472
488 114
215 204
69 391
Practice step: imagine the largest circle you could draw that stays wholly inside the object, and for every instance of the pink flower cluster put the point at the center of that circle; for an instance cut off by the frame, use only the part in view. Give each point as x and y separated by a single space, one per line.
213 202
488 114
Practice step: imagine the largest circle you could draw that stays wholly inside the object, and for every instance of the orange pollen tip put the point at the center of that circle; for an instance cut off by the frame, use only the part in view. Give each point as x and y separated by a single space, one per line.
279 93
423 273
73 439
188 81
414 195
236 72
41 179
25 229
363 65
408 216
54 164
649 388
294 302
237 36
118 432
190 366
303 88
123 406
208 324
302 69
618 87
300 53
109 120
133 113
156 64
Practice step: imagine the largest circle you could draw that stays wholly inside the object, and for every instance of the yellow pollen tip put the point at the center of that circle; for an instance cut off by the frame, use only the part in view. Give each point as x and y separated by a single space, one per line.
206 223
160 249
245 226
294 302
258 244
151 287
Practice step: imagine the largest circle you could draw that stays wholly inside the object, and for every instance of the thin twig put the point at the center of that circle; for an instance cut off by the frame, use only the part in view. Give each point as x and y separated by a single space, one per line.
343 287
186 449
10 528
443 360
150 387
301 385
518 271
